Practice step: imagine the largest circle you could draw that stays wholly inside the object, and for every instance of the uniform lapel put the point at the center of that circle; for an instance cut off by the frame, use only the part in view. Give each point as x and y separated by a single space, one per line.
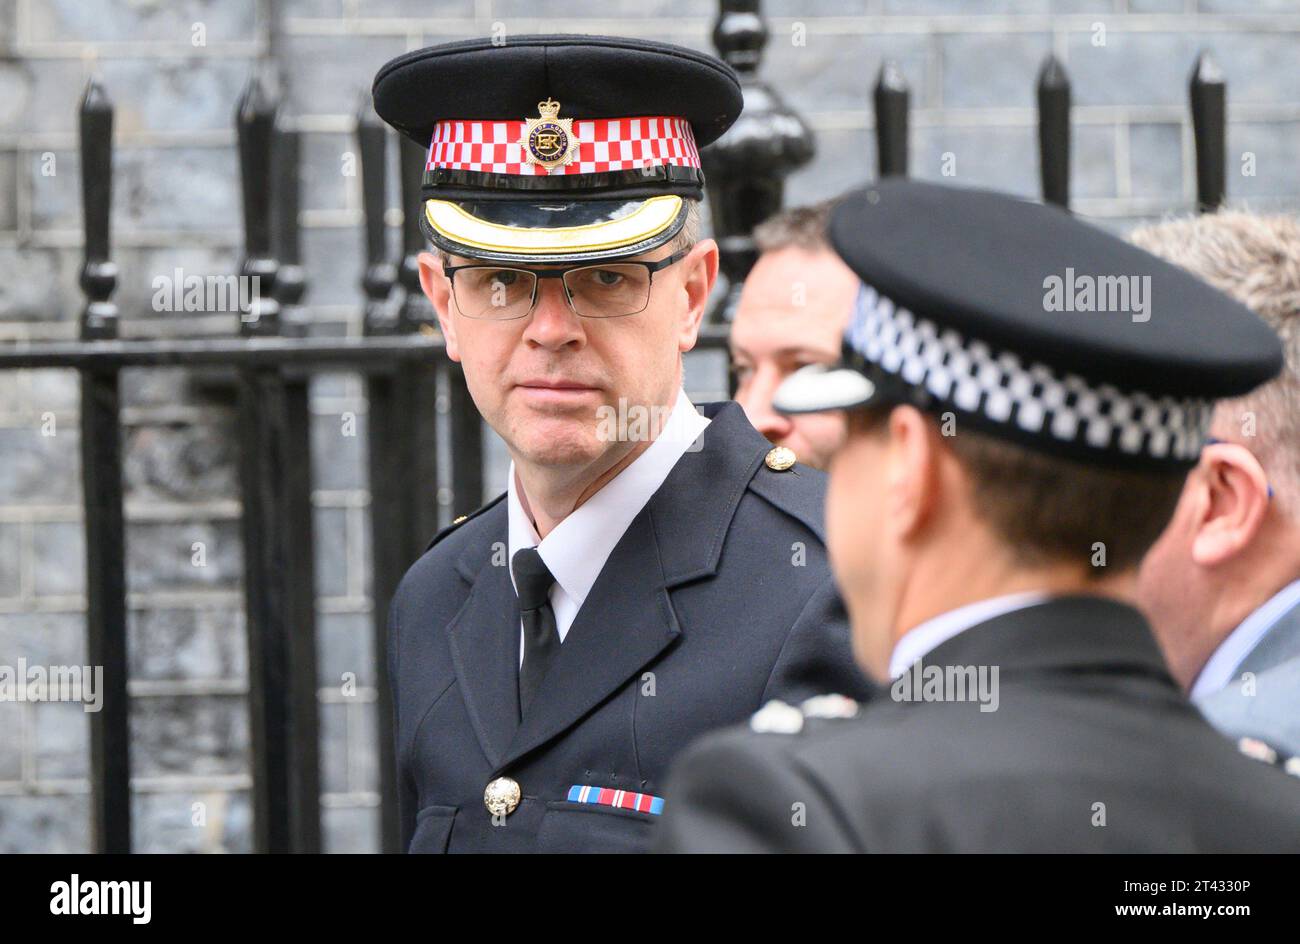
626 621
484 638
628 617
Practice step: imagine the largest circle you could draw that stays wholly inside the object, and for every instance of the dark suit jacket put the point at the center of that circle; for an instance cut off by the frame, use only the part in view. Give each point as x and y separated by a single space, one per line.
1087 715
701 614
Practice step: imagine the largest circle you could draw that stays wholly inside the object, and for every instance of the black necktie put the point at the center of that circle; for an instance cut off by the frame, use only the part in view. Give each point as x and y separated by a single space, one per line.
533 582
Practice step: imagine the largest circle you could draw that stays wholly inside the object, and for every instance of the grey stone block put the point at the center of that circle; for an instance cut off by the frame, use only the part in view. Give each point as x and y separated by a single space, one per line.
1276 150
1156 160
363 746
54 389
1092 161
163 386
189 734
956 7
153 189
992 70
10 570
1157 6
8 190
11 737
169 822
58 558
339 447
315 9
43 638
335 258
8 9
837 72
1131 69
424 9
329 74
175 94
45 823
998 158
345 644
324 158
844 160
502 10
156 283
41 95
331 529
163 556
350 829
60 740
64 20
1246 6
182 463
187 645
38 285
334 748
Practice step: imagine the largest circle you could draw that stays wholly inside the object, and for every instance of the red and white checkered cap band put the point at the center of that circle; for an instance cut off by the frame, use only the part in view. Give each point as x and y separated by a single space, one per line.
604 144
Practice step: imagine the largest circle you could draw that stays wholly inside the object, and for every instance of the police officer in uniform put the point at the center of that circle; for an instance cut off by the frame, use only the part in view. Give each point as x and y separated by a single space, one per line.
652 571
1024 396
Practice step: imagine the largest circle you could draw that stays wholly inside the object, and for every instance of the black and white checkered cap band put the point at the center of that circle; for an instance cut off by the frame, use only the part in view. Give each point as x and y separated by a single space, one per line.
1033 399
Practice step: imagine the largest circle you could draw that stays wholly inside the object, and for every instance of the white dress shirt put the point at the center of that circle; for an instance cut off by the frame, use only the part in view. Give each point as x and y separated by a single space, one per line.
577 548
1222 665
920 640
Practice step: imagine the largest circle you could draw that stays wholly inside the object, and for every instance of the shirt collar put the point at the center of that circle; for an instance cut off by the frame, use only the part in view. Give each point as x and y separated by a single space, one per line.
921 639
1222 665
577 548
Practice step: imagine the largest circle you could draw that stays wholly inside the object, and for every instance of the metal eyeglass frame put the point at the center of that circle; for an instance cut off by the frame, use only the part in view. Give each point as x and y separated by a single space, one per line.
559 273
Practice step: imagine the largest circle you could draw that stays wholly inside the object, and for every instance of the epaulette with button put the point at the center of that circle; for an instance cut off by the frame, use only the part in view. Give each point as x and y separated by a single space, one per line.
1261 751
777 717
461 519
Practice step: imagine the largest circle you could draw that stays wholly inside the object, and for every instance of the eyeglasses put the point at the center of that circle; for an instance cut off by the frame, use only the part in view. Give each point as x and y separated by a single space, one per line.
604 290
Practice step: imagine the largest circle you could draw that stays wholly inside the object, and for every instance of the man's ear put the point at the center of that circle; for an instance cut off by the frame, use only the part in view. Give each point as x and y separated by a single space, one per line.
437 288
913 478
1234 503
699 273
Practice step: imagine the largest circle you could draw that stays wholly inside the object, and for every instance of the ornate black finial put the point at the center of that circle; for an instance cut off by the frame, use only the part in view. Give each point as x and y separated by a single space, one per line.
381 273
290 279
746 168
417 313
1054 131
255 123
891 100
740 34
1209 95
98 273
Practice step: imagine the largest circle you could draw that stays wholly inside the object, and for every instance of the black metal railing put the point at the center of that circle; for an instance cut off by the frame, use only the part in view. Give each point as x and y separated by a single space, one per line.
402 358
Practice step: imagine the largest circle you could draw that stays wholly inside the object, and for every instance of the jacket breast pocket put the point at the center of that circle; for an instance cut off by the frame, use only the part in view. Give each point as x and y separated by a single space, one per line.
593 827
433 829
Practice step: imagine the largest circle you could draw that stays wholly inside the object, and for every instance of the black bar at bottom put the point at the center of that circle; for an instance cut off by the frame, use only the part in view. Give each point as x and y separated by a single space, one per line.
101 478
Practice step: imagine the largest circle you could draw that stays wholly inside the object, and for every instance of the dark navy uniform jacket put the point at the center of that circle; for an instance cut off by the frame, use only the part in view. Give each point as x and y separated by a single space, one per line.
717 599
1092 748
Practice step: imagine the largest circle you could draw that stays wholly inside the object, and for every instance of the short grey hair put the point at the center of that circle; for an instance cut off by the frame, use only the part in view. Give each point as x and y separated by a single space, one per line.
803 227
1256 260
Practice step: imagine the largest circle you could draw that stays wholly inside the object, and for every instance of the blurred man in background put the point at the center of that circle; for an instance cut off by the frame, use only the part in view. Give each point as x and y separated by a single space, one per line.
792 313
1222 585
1001 481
